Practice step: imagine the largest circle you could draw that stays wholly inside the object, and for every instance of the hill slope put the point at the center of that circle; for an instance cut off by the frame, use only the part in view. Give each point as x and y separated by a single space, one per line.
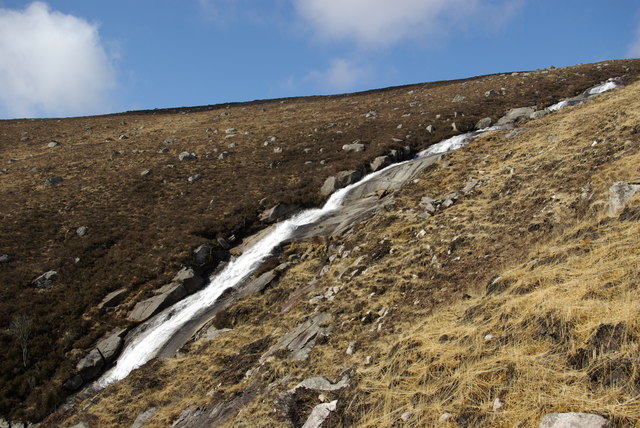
424 290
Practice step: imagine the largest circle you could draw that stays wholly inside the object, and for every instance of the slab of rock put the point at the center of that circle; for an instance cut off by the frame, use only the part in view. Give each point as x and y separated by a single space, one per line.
144 417
301 339
277 213
73 383
319 414
620 193
260 283
113 299
186 156
90 366
573 420
189 279
147 308
484 123
46 280
321 383
53 144
110 347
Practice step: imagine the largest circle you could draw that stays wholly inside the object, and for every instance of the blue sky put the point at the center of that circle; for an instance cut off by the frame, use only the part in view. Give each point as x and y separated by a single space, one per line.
79 57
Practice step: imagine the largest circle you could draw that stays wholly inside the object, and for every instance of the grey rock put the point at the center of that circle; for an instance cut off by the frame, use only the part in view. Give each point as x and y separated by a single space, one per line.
354 147
321 383
458 99
189 279
484 123
73 383
277 213
163 150
113 299
145 173
223 155
260 283
53 144
46 280
149 307
371 115
620 193
51 181
491 92
538 114
110 347
340 180
90 366
379 163
170 140
301 340
4 258
406 416
430 129
319 414
516 115
213 333
82 231
573 420
277 150
194 178
143 417
186 156
202 255
468 188
230 130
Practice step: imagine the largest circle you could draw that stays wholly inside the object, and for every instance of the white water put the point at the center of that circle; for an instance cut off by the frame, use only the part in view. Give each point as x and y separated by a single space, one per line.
160 329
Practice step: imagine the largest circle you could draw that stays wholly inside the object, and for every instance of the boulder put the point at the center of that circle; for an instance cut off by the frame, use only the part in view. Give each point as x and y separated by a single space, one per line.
515 115
186 156
484 123
90 366
194 178
573 420
73 383
147 308
46 280
354 147
4 258
620 193
321 383
260 283
379 163
277 213
340 180
110 347
53 144
189 279
82 230
458 99
113 299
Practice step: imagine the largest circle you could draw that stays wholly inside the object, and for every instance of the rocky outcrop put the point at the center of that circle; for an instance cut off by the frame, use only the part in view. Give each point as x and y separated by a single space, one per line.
110 347
516 115
90 366
340 180
189 279
170 294
319 414
299 341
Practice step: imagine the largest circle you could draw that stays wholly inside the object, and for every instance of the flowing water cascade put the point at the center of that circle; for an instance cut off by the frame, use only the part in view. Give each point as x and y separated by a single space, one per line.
159 330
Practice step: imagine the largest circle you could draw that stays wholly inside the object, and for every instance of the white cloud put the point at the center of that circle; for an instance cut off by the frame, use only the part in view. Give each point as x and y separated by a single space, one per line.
51 64
381 23
341 75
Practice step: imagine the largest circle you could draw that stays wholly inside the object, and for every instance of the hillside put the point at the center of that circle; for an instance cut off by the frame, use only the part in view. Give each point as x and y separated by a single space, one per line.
526 255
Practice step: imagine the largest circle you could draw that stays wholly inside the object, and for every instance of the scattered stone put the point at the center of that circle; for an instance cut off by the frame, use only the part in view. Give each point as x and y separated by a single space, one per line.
90 366
4 258
46 280
145 172
368 360
406 416
51 181
321 383
354 147
194 178
170 140
430 129
445 417
223 155
53 144
230 130
122 137
82 231
186 156
371 115
113 299
301 339
277 150
340 180
516 115
573 420
351 348
277 213
489 337
484 123
319 414
468 188
620 193
498 405
458 99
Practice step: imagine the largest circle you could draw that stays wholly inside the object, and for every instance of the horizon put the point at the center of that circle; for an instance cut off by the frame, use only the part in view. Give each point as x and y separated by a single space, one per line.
65 58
